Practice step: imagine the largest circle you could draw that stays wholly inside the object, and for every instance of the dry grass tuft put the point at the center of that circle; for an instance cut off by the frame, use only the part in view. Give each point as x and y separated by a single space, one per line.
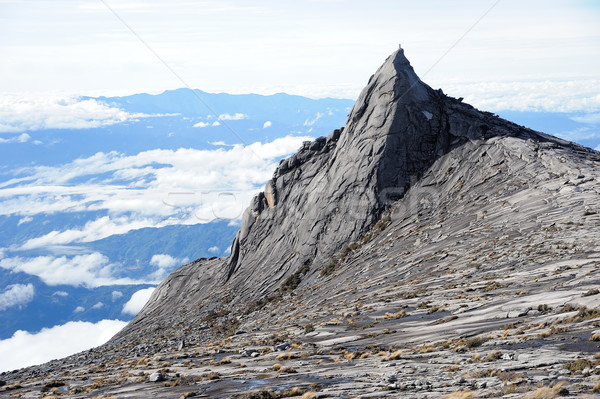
287 356
466 394
548 393
392 356
276 367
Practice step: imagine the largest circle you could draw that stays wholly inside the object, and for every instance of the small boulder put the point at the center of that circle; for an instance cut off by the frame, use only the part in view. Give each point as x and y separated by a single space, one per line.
281 347
156 377
249 353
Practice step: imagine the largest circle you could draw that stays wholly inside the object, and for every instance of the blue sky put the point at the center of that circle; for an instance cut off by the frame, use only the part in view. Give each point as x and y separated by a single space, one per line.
315 48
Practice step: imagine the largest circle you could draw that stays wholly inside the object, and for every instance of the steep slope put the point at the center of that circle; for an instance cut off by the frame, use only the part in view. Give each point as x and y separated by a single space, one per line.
425 248
334 190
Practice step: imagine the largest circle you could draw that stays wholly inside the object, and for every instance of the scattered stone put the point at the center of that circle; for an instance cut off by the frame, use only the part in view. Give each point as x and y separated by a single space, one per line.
156 377
281 347
250 353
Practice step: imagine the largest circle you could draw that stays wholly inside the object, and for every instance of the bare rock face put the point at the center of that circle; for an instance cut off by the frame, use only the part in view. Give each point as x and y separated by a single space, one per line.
403 143
334 190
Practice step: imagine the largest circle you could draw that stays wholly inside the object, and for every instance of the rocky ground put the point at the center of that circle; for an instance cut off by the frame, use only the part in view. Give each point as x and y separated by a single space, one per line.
392 346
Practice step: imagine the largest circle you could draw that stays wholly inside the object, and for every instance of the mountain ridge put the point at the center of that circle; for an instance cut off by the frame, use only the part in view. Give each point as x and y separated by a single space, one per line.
428 248
363 183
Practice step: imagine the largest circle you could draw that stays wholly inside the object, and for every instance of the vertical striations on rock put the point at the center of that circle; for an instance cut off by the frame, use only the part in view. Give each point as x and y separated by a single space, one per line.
335 189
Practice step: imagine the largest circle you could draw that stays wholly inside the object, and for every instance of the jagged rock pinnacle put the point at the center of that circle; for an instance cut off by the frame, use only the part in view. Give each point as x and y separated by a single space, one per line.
334 190
331 194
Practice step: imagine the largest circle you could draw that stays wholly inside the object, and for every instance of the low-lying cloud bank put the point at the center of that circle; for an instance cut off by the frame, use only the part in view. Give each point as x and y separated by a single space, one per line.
27 113
546 95
26 349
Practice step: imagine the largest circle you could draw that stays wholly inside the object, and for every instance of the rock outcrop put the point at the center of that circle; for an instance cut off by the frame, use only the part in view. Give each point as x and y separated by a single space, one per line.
425 248
333 191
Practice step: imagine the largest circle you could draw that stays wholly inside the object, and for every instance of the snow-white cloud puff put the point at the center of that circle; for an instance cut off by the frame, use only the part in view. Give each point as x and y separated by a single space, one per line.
16 295
137 301
214 250
267 124
22 113
164 264
79 309
235 117
25 349
23 220
201 124
90 270
163 260
116 295
21 138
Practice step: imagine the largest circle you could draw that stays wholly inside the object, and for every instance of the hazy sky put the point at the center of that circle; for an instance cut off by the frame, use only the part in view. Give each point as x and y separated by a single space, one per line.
315 48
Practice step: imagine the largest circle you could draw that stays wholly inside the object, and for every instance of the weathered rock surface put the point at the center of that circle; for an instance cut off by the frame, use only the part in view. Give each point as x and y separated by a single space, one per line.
426 248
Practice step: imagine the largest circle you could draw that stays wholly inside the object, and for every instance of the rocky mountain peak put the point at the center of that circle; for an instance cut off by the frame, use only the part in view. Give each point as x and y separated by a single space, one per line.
335 189
404 145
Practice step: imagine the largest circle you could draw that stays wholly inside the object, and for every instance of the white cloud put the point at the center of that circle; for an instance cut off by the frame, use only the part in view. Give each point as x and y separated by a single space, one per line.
26 219
26 349
267 124
91 231
163 260
165 263
79 309
116 295
137 301
19 113
98 305
22 138
216 123
60 293
581 133
235 117
214 250
90 270
598 148
137 193
16 295
310 122
201 124
550 96
592 119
